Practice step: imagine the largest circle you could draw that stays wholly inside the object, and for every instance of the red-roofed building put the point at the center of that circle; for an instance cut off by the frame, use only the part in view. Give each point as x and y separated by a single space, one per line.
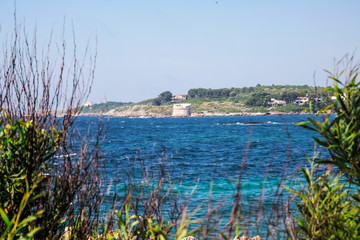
179 98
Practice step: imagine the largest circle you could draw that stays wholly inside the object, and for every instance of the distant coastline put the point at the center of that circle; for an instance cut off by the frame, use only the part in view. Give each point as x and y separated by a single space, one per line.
200 102
159 115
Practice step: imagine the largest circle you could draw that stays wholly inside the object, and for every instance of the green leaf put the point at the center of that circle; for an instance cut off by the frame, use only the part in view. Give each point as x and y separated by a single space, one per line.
306 175
5 218
306 126
32 233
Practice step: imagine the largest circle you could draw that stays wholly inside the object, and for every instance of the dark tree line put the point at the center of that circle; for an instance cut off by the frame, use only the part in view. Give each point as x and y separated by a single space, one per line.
289 97
204 93
163 98
256 96
260 99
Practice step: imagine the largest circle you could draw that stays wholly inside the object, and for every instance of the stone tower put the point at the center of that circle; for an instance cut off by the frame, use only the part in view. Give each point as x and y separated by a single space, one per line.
181 110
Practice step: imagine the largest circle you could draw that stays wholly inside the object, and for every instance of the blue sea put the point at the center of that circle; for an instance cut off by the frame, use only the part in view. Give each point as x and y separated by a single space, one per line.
210 150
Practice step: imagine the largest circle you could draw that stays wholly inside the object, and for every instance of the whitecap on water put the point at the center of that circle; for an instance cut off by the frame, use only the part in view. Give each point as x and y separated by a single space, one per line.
248 123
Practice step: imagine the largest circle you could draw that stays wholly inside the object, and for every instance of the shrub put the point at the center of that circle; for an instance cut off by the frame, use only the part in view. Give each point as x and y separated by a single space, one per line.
41 98
328 205
24 152
259 99
325 209
341 134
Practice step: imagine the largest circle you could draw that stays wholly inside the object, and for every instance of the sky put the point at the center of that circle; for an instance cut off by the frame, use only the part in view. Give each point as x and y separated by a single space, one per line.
145 47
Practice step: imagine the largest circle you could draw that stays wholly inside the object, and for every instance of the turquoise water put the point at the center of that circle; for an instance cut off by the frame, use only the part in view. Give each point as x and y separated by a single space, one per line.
201 150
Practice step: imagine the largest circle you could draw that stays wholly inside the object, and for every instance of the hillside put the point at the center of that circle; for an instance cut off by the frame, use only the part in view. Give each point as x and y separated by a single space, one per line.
225 101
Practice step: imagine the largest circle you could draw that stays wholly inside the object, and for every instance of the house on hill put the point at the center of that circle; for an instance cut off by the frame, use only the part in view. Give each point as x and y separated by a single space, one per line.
88 104
179 97
301 100
275 102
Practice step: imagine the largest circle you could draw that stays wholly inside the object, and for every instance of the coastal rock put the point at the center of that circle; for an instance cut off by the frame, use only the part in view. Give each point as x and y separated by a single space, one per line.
256 238
244 237
189 238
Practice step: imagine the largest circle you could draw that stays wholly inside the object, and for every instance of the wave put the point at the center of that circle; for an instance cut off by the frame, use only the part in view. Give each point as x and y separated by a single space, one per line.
66 155
250 123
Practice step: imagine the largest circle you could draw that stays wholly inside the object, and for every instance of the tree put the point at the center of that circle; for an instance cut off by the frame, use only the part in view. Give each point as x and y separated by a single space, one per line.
289 97
165 97
156 102
192 93
259 99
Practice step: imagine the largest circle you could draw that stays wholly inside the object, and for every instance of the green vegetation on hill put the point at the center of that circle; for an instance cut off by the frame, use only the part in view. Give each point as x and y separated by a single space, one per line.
287 93
224 100
258 99
104 107
255 99
163 98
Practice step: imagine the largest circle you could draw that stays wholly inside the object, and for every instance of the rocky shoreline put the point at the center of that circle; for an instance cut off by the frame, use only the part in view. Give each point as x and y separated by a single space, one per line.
141 114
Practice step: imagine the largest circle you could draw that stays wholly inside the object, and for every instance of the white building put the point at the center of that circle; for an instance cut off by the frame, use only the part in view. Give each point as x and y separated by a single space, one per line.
88 104
301 100
275 102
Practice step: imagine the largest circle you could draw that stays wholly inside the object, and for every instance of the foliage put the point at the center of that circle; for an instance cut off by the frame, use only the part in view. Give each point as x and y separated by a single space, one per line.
325 210
328 206
24 152
156 102
341 134
130 227
257 110
204 93
28 187
289 97
104 107
16 227
163 98
40 94
291 107
260 99
275 91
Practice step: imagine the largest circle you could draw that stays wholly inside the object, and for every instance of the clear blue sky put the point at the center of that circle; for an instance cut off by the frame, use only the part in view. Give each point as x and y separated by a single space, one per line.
150 46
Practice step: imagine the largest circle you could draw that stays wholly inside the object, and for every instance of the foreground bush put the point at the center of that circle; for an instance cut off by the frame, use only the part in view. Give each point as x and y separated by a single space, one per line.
24 152
50 172
325 209
328 204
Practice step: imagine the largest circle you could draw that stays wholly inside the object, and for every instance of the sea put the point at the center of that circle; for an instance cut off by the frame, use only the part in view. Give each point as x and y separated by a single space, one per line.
210 157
